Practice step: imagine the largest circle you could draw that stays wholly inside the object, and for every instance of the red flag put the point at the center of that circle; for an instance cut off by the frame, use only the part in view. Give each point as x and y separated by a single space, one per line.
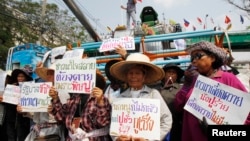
186 23
199 20
227 20
139 0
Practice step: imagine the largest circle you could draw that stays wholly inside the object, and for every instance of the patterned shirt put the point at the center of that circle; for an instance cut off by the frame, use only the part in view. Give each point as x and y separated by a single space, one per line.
93 116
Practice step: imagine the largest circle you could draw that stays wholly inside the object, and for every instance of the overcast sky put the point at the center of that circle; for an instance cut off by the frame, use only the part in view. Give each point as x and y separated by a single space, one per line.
109 13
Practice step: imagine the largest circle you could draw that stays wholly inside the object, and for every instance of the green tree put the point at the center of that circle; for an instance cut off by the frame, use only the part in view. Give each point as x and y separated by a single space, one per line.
21 23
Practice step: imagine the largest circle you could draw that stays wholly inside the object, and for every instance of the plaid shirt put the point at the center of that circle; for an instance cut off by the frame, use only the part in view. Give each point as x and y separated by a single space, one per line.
93 116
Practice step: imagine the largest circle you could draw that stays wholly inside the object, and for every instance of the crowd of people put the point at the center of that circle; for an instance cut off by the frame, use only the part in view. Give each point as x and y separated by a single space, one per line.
87 117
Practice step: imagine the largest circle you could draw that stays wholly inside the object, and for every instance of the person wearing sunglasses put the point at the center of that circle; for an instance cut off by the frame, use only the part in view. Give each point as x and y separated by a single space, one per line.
207 60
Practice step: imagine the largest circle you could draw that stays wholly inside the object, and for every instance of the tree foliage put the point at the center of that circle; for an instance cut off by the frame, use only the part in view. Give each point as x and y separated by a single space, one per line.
22 22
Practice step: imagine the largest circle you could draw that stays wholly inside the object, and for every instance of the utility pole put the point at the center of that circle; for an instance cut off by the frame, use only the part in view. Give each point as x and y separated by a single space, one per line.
44 2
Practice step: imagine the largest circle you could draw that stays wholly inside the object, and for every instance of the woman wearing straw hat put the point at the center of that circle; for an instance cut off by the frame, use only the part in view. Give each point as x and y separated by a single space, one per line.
137 71
206 60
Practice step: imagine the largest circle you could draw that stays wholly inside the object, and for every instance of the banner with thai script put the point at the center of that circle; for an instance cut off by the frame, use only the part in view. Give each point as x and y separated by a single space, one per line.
75 75
138 117
110 44
11 94
219 103
35 97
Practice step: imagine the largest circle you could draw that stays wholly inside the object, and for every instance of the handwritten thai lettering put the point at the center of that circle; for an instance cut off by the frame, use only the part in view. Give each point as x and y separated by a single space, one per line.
121 107
44 88
212 101
62 76
34 102
214 90
136 106
144 123
26 90
124 118
84 86
193 104
216 118
76 66
124 129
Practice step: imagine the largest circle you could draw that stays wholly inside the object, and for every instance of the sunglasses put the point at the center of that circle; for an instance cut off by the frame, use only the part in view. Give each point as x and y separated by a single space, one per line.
197 56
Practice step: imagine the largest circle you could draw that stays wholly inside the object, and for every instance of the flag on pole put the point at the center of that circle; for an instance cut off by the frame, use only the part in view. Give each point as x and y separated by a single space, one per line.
227 20
186 23
241 19
199 20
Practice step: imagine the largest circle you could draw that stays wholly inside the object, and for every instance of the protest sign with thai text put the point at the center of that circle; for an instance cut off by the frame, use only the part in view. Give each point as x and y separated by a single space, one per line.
138 117
75 75
110 44
11 94
35 97
219 103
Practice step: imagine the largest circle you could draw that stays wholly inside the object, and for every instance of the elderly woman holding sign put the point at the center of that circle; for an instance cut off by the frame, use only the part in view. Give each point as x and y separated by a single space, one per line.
137 71
206 60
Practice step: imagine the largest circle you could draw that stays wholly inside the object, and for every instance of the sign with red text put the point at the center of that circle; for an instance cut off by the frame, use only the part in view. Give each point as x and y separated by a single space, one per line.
138 117
219 103
35 97
110 44
75 75
11 94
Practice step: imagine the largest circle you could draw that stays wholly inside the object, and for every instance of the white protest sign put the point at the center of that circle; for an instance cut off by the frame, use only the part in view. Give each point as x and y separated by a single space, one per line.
75 75
35 97
138 117
56 52
219 103
109 44
11 94
77 53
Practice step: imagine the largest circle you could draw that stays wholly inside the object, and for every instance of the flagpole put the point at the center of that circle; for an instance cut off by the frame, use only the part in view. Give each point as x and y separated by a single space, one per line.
206 21
121 13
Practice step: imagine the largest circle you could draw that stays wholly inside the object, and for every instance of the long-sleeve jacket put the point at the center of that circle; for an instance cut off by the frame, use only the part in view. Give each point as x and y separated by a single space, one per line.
191 130
93 116
165 114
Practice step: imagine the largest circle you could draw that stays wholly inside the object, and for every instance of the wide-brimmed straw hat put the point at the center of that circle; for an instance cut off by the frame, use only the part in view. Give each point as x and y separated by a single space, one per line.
15 73
210 47
42 71
153 72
